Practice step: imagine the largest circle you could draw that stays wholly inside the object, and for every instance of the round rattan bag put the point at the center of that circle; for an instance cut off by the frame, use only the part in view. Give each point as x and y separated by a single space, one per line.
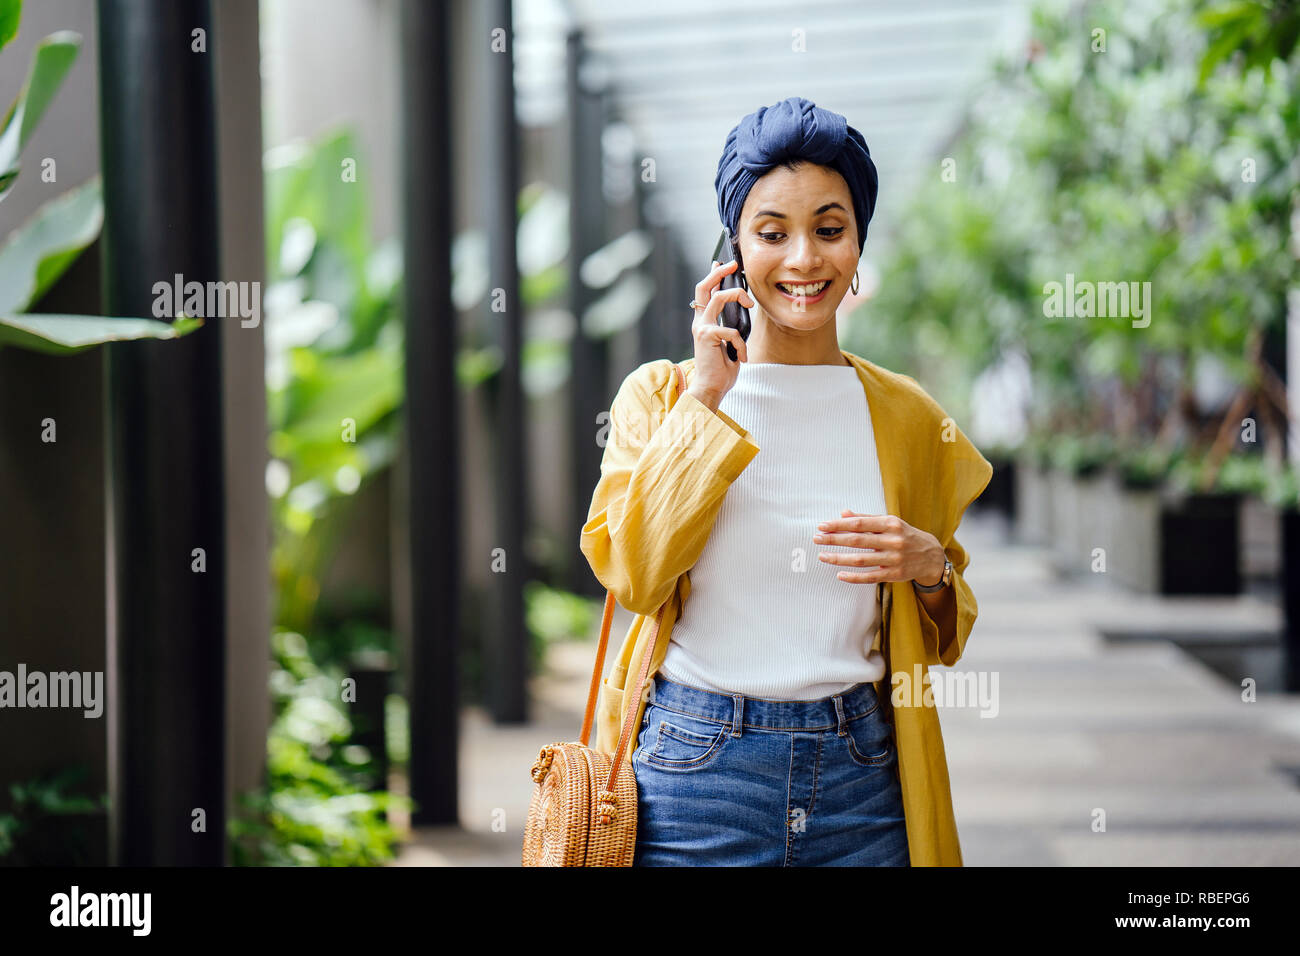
572 819
583 809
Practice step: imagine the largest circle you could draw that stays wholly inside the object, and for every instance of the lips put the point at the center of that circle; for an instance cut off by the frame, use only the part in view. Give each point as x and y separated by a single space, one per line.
813 286
805 298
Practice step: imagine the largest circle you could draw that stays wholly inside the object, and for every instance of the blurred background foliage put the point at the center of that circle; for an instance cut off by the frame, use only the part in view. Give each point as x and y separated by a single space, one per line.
53 822
1164 149
334 389
334 376
324 804
333 360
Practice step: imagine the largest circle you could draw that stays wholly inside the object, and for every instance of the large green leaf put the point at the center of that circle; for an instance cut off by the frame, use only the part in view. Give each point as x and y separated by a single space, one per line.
326 390
39 251
10 12
314 182
50 64
67 334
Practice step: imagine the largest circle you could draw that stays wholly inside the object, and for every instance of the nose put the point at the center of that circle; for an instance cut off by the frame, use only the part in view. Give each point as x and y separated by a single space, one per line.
803 256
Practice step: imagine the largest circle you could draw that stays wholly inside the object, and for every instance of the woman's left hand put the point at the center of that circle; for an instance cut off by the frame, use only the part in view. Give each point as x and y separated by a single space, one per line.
902 553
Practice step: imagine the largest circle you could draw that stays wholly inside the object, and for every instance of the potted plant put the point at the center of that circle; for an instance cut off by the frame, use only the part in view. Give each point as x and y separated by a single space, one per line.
1199 533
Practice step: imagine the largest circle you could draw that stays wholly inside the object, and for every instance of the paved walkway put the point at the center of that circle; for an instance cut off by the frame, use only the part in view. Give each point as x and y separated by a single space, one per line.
1184 772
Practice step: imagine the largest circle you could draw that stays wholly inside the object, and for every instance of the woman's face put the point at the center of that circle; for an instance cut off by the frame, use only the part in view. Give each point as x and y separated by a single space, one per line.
797 230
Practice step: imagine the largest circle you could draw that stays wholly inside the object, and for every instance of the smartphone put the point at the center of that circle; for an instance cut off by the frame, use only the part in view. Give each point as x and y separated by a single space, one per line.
733 314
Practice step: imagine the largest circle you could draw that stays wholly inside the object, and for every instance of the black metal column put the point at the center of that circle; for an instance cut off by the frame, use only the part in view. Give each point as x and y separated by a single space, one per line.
431 412
167 618
506 644
588 388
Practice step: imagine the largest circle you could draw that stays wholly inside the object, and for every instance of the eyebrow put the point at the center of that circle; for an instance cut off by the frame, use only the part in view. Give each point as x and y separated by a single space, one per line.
780 215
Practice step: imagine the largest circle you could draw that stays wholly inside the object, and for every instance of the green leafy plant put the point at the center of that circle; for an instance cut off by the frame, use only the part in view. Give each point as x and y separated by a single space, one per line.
1246 474
319 807
1259 30
1145 466
554 615
334 351
36 254
1239 473
1082 455
51 823
334 361
334 387
1283 489
10 13
51 61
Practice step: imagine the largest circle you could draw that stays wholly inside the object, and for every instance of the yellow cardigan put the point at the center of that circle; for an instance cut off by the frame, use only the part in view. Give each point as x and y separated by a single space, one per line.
653 509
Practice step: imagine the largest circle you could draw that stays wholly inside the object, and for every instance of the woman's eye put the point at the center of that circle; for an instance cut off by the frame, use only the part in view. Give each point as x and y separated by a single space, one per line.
832 230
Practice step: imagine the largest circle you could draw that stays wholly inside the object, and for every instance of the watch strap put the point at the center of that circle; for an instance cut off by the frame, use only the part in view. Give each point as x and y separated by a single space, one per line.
943 580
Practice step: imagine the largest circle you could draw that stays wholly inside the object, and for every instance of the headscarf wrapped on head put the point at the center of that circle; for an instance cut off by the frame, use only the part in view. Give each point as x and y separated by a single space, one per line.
794 129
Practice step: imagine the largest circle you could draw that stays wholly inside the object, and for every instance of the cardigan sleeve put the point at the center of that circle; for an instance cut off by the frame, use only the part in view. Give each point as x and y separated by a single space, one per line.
660 487
962 475
946 647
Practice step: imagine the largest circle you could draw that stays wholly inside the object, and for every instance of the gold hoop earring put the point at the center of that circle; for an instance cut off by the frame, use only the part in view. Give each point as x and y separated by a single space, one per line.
853 286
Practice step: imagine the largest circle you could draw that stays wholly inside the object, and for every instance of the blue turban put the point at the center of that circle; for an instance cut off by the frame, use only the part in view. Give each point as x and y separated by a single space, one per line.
794 129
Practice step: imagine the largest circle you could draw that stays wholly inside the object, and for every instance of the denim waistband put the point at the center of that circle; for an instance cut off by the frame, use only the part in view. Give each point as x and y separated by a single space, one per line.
826 713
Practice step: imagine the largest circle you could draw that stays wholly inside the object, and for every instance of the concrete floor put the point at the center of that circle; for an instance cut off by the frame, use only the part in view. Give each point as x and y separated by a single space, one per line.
1140 733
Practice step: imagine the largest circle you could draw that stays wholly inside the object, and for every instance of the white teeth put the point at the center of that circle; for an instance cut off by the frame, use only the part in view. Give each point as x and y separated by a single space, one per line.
802 289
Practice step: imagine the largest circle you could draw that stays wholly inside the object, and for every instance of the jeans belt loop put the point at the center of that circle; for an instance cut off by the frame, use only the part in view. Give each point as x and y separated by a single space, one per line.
738 715
839 715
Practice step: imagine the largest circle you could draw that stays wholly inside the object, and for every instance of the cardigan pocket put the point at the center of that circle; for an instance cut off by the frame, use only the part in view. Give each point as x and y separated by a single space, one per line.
609 711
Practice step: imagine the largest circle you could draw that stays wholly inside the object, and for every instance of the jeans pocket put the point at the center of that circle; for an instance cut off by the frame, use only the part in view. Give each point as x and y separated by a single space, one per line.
869 739
682 741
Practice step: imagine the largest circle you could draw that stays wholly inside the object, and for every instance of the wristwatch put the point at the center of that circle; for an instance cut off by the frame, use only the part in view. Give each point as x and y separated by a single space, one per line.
943 581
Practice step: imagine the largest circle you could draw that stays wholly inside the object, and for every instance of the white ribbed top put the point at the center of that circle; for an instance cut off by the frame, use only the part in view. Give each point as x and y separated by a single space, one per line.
765 617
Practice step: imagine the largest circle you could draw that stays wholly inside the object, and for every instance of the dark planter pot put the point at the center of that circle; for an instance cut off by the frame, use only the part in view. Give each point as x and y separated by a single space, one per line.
1199 552
1290 584
373 675
1000 495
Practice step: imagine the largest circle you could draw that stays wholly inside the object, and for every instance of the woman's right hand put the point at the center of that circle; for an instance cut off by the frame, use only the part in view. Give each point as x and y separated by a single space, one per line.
715 373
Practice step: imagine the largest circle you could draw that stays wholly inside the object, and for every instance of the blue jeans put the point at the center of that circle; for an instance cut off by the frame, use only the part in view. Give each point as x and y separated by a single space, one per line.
729 780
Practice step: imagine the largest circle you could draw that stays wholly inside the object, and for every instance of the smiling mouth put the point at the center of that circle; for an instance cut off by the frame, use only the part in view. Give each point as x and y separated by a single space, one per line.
806 289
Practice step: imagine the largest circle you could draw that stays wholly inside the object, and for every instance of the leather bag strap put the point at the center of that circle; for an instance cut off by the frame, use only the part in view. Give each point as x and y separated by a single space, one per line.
633 699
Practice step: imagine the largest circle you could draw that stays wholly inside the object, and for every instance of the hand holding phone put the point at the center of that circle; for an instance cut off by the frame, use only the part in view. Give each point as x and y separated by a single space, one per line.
715 372
734 314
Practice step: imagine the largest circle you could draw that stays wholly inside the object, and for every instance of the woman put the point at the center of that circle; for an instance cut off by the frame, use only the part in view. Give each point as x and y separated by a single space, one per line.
766 736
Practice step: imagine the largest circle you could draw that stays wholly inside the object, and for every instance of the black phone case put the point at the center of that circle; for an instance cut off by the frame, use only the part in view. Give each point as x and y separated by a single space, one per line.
733 314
